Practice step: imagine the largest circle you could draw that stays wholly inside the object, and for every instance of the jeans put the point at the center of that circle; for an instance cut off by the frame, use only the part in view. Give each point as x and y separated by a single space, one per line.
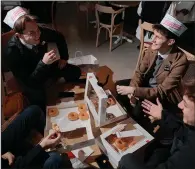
31 118
53 162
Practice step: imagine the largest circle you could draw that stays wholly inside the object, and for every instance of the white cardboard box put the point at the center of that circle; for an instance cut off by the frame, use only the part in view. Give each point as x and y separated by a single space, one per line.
75 134
131 132
97 98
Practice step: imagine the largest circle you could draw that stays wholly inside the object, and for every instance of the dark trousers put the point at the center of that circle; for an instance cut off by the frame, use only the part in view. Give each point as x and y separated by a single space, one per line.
14 135
37 96
154 154
13 139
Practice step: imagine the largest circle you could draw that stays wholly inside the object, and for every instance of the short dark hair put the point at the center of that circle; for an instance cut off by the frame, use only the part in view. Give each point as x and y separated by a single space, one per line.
165 32
19 25
189 88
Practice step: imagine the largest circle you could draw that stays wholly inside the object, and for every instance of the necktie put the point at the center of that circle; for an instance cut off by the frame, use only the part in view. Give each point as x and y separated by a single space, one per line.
159 61
35 49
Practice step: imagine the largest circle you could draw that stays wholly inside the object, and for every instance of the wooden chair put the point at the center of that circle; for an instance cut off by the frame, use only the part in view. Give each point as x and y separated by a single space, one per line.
110 27
144 45
9 82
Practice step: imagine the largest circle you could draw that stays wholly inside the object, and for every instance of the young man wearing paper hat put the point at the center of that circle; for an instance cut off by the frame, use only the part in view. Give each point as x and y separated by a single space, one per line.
161 69
175 150
28 58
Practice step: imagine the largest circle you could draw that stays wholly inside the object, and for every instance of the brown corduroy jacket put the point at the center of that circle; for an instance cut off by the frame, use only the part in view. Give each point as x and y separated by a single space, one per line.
168 77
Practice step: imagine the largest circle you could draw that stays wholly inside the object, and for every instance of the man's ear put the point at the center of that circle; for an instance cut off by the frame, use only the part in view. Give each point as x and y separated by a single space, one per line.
18 35
171 42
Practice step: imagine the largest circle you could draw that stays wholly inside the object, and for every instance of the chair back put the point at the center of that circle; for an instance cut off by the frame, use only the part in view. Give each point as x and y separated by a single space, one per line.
104 9
5 37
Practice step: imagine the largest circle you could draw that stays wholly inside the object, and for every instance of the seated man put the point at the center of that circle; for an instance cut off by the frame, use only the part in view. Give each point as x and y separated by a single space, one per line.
175 153
28 59
14 152
161 69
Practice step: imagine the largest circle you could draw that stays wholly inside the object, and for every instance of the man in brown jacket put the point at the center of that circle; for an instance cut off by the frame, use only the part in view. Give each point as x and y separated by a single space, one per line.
162 66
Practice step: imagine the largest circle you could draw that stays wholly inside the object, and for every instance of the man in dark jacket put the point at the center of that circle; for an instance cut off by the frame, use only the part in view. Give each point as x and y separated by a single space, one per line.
28 59
14 149
169 152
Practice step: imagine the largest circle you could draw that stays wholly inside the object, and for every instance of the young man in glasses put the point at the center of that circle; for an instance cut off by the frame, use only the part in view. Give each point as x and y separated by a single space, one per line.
28 58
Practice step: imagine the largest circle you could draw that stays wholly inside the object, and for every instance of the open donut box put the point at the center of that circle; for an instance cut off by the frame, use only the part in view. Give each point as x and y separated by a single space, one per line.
75 134
126 135
102 104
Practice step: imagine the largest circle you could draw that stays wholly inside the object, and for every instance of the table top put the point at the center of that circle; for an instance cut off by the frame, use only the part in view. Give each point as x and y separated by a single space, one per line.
125 4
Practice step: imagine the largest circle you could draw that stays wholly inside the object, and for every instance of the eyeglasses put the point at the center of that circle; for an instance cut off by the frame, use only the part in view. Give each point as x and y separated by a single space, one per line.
33 33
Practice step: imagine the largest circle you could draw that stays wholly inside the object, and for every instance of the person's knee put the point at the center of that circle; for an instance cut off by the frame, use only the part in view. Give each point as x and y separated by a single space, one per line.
55 160
34 111
77 72
125 161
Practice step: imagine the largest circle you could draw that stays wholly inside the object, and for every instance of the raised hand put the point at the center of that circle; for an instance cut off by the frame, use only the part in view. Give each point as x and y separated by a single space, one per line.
125 90
152 109
8 156
51 140
50 57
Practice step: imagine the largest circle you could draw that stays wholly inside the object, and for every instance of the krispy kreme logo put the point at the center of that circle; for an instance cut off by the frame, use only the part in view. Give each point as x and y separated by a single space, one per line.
16 13
172 25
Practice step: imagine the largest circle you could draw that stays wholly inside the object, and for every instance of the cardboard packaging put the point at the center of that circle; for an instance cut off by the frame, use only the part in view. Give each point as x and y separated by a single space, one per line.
127 133
75 134
102 104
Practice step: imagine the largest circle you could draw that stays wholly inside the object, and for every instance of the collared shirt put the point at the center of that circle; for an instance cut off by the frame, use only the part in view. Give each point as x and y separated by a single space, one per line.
25 44
159 61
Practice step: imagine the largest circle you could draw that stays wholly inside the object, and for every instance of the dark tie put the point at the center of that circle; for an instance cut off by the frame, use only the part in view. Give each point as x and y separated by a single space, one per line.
159 61
35 49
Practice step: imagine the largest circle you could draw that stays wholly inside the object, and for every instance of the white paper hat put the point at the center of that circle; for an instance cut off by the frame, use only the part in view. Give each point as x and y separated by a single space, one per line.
173 25
13 15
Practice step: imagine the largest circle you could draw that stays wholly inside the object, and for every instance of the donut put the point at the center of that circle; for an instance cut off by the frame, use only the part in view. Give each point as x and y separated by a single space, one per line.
83 116
73 116
120 144
55 127
111 101
53 112
82 107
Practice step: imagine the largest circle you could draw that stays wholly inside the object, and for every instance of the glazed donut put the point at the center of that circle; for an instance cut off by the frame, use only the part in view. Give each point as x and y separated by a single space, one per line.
83 116
111 101
55 127
73 116
82 107
120 144
53 112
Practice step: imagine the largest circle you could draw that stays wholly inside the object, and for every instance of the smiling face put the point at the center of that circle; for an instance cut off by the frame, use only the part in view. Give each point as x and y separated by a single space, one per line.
160 42
187 106
31 34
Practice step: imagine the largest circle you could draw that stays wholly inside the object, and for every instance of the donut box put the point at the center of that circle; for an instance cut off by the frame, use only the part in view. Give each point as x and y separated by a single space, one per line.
102 104
126 137
75 133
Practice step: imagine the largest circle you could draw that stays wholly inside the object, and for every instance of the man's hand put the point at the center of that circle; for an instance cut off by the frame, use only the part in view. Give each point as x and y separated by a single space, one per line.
51 140
62 63
8 156
50 57
152 109
125 90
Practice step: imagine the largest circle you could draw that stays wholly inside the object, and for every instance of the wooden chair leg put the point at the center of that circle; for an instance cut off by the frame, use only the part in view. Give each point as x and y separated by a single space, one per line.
106 34
97 38
110 33
121 34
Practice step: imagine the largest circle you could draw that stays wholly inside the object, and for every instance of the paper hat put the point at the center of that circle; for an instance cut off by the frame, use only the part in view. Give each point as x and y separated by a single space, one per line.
173 25
13 15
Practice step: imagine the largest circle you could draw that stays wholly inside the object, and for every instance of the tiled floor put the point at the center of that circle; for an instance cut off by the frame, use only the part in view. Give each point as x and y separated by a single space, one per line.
72 24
